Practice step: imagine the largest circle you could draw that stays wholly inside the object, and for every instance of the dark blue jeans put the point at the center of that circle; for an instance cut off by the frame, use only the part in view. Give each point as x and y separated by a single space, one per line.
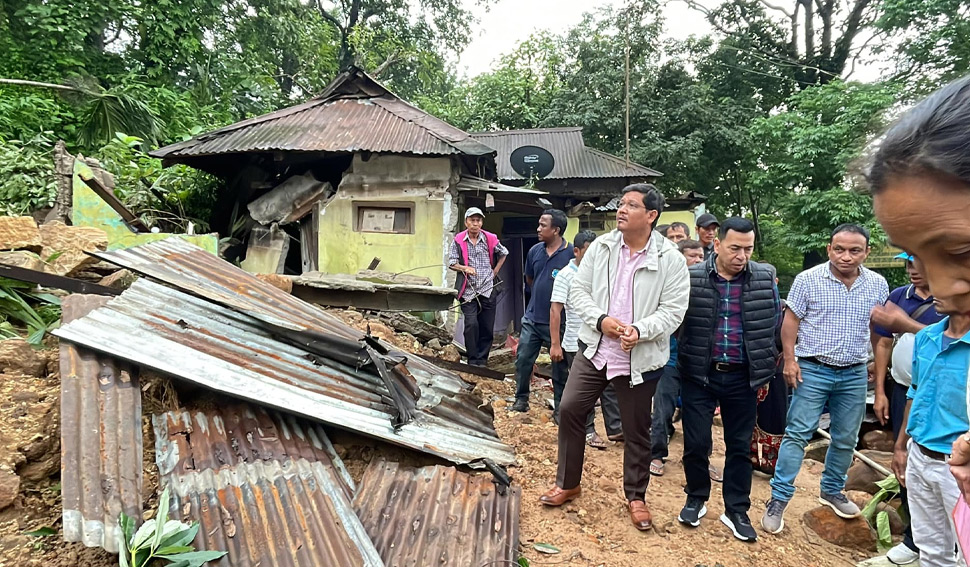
531 340
664 403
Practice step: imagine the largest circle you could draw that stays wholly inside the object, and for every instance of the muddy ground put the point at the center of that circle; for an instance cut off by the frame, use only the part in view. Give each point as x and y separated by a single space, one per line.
593 530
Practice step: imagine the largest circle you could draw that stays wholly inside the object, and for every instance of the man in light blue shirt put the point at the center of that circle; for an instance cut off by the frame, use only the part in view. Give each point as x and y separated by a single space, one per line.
935 418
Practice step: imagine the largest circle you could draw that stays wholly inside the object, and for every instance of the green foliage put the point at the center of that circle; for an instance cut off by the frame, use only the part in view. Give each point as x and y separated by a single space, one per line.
169 198
879 519
27 178
39 313
161 539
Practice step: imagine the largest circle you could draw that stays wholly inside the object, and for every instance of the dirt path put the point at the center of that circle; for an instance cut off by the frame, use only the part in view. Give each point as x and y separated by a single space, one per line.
595 529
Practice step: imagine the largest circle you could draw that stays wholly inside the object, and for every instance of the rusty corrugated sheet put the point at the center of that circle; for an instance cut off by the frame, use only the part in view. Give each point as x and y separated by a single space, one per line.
230 352
354 114
574 160
181 264
101 438
264 486
437 516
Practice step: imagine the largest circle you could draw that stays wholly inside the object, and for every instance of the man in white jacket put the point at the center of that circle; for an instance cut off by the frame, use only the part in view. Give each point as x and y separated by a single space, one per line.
631 292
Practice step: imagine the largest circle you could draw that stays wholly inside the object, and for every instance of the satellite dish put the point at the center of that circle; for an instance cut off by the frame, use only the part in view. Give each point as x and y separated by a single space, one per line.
532 161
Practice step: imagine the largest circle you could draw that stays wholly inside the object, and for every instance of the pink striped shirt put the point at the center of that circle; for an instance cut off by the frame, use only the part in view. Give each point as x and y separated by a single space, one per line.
610 352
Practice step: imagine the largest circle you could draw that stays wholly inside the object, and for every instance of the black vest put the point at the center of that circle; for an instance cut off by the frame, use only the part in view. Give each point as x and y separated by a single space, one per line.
758 313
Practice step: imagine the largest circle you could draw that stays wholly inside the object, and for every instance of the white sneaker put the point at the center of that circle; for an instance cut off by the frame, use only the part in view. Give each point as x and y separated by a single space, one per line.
901 555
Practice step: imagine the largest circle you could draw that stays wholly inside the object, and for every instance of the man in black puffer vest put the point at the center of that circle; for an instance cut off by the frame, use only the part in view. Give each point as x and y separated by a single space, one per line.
726 352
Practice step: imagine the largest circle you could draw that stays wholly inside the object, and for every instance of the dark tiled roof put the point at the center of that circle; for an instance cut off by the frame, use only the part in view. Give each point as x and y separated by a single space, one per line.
574 160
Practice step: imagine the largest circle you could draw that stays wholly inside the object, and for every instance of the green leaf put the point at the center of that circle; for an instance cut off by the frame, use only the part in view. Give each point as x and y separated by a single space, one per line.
883 530
545 548
174 549
194 558
42 532
143 535
164 503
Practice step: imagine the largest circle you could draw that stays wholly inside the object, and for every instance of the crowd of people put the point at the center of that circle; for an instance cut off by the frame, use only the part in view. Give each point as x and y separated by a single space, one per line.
644 316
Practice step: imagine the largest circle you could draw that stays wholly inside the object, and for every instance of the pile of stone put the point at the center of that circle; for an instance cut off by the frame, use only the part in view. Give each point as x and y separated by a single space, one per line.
56 248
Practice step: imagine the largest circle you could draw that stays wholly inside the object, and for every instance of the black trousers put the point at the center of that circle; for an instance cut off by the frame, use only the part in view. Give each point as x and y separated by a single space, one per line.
479 316
584 386
739 407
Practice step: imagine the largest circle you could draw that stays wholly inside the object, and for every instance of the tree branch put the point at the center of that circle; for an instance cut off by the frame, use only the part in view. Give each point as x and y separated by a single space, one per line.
771 6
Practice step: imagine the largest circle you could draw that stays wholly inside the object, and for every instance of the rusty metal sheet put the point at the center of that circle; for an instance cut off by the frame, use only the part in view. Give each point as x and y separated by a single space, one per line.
265 487
101 438
354 114
574 160
190 338
438 516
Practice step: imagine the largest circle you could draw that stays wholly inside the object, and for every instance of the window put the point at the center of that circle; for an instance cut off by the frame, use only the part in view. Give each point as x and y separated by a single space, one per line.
384 218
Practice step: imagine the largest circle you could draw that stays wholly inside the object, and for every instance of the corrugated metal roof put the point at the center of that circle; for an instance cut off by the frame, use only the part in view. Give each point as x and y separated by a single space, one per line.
265 487
470 184
574 160
183 265
101 438
437 516
354 114
230 352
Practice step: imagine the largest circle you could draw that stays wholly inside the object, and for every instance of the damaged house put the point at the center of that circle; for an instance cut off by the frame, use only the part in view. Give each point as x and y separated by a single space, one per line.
351 175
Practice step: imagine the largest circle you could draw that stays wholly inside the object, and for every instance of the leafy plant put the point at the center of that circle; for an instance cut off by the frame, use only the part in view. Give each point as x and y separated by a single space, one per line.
879 519
14 305
161 539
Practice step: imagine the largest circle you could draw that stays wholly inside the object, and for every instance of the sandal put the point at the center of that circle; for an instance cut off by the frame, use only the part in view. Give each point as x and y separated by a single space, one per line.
657 467
595 441
715 474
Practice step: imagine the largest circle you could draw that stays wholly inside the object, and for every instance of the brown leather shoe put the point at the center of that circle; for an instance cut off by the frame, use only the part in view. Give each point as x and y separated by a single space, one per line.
557 496
640 515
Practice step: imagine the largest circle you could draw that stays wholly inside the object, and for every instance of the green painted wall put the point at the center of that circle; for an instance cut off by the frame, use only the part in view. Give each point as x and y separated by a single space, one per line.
91 210
346 251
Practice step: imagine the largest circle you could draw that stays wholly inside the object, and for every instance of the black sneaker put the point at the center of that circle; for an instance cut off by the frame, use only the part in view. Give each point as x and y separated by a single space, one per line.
740 525
521 406
693 511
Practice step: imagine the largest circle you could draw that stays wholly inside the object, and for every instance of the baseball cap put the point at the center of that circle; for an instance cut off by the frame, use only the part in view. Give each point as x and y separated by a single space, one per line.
474 211
706 220
904 256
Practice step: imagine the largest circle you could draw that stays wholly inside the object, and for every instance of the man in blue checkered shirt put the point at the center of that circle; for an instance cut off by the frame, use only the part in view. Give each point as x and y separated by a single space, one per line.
828 314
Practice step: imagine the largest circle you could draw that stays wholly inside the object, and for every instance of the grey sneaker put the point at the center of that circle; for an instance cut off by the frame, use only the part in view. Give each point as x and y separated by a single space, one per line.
840 504
774 519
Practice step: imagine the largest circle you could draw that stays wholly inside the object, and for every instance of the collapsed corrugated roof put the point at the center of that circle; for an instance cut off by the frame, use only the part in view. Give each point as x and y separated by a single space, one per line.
437 516
354 114
573 159
289 354
101 438
265 487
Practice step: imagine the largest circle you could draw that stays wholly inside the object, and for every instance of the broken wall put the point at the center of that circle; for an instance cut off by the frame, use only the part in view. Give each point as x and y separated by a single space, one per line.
385 184
90 210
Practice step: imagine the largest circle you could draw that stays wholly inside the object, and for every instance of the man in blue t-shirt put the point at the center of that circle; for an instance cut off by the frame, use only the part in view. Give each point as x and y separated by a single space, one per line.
895 324
934 419
543 262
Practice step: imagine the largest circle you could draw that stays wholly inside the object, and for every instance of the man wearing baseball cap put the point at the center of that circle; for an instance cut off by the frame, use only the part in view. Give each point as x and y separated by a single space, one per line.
895 324
707 225
477 256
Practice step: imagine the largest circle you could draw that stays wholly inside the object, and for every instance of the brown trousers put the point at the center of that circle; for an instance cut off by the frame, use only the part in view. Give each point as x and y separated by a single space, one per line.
583 388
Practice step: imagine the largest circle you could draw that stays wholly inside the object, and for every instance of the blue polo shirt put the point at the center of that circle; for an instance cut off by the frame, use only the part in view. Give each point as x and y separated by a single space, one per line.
939 390
543 268
909 301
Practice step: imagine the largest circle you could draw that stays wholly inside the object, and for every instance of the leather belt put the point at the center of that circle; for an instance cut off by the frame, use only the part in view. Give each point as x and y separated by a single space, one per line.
728 366
935 455
814 360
